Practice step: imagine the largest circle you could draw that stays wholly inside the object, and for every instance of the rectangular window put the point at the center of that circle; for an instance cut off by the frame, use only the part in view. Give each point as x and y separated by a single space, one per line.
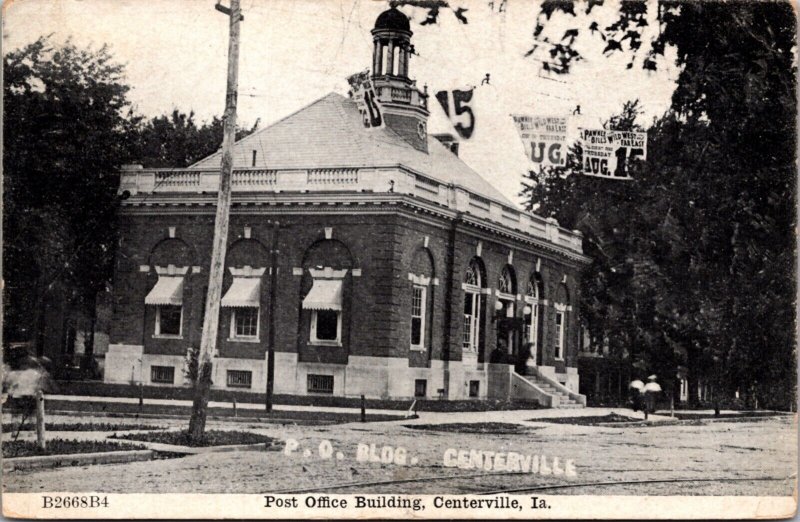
418 317
472 309
244 322
240 379
320 383
533 331
162 374
474 388
325 326
560 334
420 388
168 320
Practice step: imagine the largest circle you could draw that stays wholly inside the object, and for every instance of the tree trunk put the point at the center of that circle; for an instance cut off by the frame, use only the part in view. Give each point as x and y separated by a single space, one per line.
202 387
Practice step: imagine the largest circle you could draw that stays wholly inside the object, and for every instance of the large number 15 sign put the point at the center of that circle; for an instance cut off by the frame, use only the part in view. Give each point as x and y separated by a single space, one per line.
459 102
624 155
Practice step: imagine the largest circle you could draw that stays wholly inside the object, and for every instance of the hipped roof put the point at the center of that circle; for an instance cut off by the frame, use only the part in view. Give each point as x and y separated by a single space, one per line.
329 133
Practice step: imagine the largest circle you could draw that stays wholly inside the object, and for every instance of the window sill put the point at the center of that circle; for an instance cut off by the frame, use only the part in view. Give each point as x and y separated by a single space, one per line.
243 340
324 343
167 336
417 348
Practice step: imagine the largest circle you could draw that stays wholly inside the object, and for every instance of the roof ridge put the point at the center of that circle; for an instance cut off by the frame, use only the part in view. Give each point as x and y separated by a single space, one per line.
271 125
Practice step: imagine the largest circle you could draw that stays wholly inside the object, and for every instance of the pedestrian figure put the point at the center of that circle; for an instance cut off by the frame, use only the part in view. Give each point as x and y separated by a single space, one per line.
522 358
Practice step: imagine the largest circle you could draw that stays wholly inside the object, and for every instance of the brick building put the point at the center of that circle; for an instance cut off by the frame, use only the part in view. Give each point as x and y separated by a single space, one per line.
400 271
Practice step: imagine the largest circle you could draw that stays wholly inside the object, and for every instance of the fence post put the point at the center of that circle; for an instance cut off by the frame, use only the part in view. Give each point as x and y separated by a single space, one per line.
363 410
141 398
40 440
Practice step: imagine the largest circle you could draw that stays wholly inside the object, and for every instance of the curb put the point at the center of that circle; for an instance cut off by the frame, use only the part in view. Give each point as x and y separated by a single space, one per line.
76 459
160 447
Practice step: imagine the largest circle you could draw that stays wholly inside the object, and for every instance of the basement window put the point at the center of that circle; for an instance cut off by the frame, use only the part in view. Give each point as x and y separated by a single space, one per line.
240 379
162 374
320 383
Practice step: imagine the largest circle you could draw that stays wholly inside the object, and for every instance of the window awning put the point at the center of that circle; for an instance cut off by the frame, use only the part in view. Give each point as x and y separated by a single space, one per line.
245 292
168 291
326 294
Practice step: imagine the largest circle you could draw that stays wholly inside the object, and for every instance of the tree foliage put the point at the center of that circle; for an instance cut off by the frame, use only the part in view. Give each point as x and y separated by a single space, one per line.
177 140
694 259
64 129
68 127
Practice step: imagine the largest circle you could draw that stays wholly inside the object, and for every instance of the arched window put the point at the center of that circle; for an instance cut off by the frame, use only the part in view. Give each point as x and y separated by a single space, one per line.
505 283
505 307
473 282
421 277
562 306
473 274
533 289
325 290
533 312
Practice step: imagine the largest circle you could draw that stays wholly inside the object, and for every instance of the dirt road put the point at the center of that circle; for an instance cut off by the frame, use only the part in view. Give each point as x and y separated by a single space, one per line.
757 457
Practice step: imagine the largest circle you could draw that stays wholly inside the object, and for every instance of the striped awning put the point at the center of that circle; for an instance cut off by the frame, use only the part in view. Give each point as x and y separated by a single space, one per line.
326 294
168 291
245 292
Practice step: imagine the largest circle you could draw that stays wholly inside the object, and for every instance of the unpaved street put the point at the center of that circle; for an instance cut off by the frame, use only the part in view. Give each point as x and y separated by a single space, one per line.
718 454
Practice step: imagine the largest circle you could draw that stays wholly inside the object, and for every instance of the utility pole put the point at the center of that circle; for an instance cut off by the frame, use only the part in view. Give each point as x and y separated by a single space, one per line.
273 295
208 342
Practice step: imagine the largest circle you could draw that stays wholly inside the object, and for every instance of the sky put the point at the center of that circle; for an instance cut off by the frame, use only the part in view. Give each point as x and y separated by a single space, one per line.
294 52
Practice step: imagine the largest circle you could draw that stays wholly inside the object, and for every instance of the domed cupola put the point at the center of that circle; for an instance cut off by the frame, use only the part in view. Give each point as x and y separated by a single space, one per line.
392 20
405 108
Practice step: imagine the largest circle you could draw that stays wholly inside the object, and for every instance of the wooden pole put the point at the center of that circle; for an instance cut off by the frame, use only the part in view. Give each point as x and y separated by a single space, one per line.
208 341
40 440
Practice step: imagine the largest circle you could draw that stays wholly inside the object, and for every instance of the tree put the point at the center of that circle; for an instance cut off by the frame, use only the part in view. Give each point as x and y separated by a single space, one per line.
68 128
64 129
708 220
177 141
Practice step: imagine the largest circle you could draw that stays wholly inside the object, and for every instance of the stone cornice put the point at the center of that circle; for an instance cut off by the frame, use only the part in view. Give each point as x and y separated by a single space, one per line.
353 203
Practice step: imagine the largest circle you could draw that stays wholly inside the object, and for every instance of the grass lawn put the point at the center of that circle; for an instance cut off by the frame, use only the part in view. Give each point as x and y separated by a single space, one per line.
589 420
27 448
212 438
740 415
483 428
12 427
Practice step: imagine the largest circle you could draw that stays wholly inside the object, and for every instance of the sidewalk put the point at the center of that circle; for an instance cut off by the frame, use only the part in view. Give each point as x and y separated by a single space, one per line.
513 416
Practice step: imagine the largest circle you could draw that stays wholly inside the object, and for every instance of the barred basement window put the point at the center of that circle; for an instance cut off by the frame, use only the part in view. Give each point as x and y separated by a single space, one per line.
162 374
320 383
420 388
240 379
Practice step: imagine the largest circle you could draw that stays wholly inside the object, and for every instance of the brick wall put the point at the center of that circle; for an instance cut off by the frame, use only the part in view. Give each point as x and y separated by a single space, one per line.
377 304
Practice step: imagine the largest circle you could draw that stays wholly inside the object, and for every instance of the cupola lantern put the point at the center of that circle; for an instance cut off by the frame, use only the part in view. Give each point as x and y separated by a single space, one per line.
404 106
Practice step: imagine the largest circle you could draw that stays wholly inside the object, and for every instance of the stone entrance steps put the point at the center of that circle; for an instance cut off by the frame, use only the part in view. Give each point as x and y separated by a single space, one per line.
564 401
